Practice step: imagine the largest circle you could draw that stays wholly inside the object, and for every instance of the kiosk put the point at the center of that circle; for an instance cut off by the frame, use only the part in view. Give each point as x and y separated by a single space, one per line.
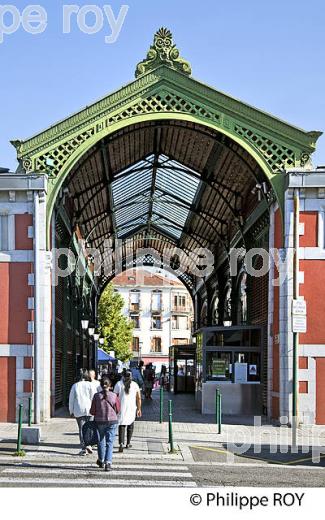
182 368
231 359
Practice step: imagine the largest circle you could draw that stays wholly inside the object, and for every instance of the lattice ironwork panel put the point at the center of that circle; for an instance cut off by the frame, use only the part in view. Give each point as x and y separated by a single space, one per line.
159 103
277 156
60 155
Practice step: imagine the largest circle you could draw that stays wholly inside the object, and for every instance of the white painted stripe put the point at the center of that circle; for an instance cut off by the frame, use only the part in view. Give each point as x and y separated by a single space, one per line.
41 471
76 466
96 482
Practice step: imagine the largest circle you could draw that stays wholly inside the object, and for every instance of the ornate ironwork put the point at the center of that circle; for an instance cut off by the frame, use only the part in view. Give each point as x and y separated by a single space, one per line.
163 52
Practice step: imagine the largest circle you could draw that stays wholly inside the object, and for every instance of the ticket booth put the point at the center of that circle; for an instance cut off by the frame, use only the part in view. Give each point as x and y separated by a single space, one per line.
182 368
231 359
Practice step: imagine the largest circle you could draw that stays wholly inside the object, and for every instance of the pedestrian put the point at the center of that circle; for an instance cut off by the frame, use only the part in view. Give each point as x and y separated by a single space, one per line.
79 406
137 376
105 408
130 398
149 379
163 376
95 384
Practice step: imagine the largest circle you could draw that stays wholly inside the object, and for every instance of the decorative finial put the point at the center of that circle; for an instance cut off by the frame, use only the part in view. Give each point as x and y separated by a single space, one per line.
163 52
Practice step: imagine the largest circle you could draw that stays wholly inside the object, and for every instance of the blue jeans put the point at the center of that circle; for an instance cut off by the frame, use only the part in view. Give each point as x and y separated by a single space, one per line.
106 436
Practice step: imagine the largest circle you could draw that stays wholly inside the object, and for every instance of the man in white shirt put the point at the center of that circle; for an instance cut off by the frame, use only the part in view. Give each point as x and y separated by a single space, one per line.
80 398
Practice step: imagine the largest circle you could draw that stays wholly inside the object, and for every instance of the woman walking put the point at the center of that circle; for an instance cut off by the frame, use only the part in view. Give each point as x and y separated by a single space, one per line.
130 398
105 407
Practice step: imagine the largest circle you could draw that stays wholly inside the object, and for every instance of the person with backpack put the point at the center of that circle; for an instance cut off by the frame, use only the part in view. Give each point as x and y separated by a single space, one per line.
105 407
79 406
130 398
137 376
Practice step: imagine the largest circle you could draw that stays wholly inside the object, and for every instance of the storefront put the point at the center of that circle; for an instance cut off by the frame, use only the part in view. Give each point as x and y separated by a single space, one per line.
229 358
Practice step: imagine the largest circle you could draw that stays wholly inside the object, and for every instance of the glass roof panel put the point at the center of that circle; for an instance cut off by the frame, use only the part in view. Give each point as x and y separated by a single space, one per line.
130 185
144 194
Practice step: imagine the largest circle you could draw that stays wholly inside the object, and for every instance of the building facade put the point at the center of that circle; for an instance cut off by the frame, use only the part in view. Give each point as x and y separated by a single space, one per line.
164 168
161 311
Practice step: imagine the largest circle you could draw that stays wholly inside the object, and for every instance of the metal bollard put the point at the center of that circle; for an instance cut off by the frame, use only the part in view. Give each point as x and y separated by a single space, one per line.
161 405
171 442
30 411
218 409
217 404
20 422
219 415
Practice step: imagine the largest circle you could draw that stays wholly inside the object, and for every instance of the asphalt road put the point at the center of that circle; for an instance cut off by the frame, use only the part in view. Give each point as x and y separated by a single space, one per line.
256 476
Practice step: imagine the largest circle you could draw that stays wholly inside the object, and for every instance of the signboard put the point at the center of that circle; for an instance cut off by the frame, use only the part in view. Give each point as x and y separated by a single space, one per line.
299 307
299 323
240 372
299 318
219 368
252 370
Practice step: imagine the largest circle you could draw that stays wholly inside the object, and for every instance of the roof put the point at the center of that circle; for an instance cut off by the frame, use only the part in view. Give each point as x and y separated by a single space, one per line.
144 278
166 162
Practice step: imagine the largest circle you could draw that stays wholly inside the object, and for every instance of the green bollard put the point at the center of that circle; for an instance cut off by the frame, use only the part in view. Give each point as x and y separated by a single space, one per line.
171 442
218 409
30 400
161 405
219 412
217 405
20 422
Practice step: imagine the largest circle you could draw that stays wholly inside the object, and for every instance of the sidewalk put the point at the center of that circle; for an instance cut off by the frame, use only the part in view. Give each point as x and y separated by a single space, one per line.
190 431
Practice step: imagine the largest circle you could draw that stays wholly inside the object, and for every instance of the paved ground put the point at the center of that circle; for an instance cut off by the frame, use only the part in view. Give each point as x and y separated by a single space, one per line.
203 457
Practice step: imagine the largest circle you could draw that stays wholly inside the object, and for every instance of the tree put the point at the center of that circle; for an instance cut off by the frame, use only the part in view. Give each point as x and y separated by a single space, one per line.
115 328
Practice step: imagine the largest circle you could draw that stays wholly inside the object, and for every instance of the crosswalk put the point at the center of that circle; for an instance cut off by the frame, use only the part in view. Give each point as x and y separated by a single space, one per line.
148 473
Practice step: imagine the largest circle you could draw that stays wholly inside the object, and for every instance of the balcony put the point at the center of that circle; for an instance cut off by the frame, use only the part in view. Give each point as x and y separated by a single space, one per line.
181 309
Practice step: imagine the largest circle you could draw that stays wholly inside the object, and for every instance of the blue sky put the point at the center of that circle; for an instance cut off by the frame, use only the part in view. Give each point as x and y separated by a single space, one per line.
270 54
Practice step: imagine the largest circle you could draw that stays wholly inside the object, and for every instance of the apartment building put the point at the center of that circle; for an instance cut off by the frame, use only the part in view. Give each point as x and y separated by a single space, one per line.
161 310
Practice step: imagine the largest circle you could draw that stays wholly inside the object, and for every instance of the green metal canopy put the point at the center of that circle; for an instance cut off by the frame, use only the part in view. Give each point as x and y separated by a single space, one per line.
164 90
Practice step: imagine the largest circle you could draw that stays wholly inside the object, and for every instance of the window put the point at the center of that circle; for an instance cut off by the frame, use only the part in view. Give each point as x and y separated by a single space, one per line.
219 366
179 301
253 360
215 310
156 322
135 344
156 344
179 323
135 318
156 299
227 311
4 239
242 300
134 300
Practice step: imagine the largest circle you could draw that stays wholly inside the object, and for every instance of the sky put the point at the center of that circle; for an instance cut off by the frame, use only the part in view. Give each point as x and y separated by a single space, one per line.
270 54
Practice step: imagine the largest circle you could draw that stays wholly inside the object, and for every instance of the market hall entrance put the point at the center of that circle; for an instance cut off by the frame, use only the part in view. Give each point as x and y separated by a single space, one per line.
164 164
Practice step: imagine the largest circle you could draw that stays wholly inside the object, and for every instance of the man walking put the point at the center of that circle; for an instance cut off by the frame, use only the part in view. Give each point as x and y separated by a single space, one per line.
80 399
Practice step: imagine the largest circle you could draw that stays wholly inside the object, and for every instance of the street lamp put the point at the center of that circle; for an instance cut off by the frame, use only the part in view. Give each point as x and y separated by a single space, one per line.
91 331
101 341
96 336
84 324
